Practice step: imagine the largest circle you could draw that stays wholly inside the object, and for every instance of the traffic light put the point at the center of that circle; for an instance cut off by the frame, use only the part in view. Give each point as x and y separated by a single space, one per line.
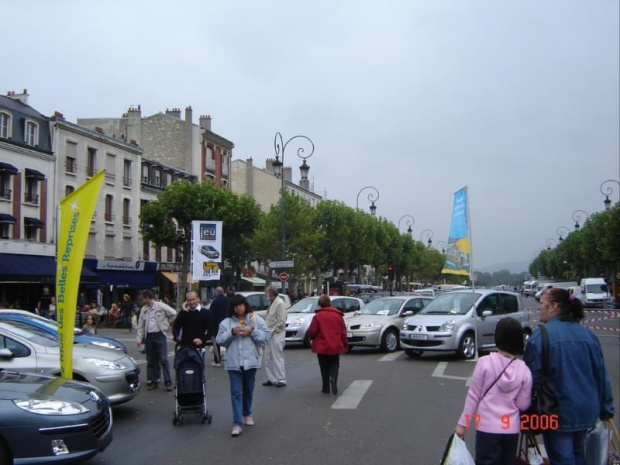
390 270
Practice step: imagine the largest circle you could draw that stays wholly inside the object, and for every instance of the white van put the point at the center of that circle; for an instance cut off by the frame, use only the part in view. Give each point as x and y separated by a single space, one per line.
530 288
594 292
544 286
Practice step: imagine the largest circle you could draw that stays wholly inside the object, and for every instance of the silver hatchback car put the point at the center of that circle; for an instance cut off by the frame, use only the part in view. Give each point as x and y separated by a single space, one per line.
26 349
456 320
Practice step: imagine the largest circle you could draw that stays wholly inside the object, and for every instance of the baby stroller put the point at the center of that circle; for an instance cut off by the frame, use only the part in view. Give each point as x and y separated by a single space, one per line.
189 389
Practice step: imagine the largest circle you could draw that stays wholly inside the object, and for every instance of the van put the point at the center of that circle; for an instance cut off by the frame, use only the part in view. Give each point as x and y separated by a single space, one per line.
594 292
561 284
530 288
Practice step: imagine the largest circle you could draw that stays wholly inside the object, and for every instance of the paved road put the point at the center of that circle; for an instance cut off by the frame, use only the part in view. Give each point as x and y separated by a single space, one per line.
392 409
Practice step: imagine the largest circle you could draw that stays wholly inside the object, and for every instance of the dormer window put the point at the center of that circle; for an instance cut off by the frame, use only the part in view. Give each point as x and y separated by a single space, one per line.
5 125
31 137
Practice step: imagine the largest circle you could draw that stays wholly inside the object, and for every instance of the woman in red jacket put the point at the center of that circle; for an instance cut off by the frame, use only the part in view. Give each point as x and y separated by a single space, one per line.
328 334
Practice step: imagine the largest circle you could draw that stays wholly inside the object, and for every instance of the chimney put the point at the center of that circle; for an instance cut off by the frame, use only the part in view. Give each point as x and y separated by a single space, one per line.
287 172
134 124
23 97
205 122
99 129
188 114
176 112
58 115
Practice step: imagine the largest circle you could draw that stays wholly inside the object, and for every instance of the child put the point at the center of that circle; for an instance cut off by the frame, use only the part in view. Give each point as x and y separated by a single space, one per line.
501 387
90 327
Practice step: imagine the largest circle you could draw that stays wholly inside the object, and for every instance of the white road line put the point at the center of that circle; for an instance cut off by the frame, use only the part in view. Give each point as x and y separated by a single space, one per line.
352 396
390 357
441 367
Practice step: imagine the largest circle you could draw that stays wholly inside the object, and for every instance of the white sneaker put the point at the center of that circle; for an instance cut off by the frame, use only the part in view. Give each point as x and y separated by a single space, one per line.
236 431
214 364
248 421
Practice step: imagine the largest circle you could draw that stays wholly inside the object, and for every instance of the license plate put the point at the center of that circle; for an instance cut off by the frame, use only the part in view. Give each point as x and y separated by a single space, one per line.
418 336
349 334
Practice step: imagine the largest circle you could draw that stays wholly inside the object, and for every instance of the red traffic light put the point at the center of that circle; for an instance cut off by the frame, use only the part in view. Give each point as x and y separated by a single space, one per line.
390 268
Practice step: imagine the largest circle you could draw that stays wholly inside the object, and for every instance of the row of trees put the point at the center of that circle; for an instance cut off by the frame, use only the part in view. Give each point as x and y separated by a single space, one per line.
324 239
593 250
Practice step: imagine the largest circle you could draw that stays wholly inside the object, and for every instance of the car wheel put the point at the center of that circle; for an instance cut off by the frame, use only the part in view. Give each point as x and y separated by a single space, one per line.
467 346
389 341
5 453
306 342
413 353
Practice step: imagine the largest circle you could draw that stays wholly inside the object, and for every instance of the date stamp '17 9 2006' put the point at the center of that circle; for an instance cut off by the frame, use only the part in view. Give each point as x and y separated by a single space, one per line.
528 422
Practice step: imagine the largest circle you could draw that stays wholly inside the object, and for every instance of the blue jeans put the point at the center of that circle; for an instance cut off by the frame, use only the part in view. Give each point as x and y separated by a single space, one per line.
565 448
156 355
241 392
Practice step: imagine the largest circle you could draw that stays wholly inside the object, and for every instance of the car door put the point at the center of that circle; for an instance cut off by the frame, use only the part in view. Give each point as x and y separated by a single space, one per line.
24 357
350 306
486 324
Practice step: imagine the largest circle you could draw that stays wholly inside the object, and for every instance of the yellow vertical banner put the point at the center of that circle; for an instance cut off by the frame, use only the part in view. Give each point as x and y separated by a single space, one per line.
74 217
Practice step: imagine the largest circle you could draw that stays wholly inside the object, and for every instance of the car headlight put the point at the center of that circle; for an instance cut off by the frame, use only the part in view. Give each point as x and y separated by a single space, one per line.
447 326
107 345
371 326
297 323
404 328
106 364
50 407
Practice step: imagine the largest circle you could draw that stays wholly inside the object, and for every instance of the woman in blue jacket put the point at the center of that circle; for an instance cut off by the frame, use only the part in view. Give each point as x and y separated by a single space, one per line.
242 335
577 375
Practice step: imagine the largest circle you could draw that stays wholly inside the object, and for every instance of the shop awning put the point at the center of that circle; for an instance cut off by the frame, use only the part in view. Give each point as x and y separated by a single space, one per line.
255 281
34 268
34 222
132 279
30 173
174 277
4 218
5 167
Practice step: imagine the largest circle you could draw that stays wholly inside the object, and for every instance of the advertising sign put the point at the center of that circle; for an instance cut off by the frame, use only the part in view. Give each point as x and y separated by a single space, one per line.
458 251
206 250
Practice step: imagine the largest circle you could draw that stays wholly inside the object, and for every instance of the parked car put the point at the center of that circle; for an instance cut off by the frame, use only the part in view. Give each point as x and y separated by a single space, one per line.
29 349
260 303
301 313
51 420
379 322
51 327
456 320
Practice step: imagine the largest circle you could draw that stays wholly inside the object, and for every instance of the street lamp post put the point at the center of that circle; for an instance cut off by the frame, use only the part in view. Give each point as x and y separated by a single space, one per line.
409 221
577 218
441 245
372 197
280 146
562 231
607 192
429 235
550 242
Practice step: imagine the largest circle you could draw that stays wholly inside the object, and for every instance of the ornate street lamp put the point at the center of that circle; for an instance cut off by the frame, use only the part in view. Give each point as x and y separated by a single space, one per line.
607 192
577 217
280 146
562 231
441 245
550 242
372 197
410 221
429 235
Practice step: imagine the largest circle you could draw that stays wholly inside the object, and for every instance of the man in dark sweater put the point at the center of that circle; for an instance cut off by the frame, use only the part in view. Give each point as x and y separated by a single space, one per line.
192 323
219 311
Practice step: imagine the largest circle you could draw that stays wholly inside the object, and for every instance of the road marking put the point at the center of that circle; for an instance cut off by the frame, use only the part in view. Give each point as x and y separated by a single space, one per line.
352 396
390 357
441 367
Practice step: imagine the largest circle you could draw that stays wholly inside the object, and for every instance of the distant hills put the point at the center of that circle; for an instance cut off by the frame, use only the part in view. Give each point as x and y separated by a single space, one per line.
512 267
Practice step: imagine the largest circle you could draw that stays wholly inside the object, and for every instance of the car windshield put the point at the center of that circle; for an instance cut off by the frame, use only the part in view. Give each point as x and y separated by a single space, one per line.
30 333
36 318
451 303
308 305
383 307
596 288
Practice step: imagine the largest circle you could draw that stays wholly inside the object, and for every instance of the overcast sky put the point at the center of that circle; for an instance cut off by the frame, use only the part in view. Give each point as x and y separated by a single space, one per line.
518 100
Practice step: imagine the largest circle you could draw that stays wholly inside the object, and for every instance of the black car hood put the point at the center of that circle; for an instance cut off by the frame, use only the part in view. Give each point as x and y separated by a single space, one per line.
23 385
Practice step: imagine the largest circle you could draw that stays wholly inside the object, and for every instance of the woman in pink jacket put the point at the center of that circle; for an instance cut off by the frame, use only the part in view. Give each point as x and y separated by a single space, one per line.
328 334
501 387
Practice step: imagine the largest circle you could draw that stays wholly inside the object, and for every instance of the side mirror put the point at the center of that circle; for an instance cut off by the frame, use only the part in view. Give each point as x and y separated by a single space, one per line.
407 313
6 354
487 313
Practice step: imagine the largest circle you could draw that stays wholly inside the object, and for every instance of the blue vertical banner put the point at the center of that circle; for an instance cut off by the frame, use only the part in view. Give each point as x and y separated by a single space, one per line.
458 251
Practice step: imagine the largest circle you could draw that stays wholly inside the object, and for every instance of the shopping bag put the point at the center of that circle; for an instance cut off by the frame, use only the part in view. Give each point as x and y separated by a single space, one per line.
528 452
456 453
597 444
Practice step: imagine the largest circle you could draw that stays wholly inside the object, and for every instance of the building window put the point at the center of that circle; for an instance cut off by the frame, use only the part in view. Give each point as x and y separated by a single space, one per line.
91 162
32 232
169 254
126 211
145 174
127 173
168 178
32 191
5 230
5 185
5 125
157 177
109 208
68 190
110 171
31 135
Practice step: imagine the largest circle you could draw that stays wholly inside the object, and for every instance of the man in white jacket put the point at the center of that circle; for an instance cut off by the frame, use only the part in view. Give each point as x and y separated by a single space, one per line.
274 351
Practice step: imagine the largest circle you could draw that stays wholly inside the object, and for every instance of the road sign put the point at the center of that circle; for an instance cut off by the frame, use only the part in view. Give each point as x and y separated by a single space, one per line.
282 264
283 277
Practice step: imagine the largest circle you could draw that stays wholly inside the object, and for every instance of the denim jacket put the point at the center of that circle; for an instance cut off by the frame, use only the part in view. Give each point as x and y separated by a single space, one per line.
242 351
577 373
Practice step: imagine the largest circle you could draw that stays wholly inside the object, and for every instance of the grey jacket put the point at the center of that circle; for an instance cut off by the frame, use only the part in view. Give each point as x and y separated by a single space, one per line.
242 351
165 316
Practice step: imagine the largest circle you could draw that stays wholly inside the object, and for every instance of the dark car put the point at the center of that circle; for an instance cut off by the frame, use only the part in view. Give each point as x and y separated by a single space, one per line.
50 326
51 420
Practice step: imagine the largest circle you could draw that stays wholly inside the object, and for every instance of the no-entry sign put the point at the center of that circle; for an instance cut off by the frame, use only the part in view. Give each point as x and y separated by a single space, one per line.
283 277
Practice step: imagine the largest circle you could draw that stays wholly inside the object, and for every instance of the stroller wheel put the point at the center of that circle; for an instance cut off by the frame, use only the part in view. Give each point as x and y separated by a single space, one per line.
203 419
175 420
209 418
181 420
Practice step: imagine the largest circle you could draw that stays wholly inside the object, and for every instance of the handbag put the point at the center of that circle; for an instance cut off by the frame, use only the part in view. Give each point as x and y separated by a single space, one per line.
544 401
528 452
